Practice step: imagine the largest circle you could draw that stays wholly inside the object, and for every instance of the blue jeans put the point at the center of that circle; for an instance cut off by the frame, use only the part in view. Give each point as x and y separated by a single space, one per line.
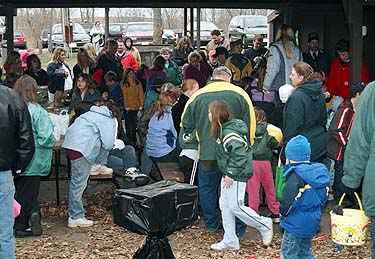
79 176
122 159
293 247
209 183
7 190
373 237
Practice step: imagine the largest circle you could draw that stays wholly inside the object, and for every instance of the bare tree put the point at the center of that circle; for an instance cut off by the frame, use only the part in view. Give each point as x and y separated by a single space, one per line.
32 22
158 30
87 14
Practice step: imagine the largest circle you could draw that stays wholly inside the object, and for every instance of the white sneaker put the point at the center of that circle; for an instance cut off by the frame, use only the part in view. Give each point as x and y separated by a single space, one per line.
268 234
100 169
221 246
95 169
80 223
105 170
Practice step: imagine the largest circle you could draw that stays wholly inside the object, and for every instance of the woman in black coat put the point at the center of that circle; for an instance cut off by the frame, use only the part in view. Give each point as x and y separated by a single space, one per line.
305 111
35 70
181 52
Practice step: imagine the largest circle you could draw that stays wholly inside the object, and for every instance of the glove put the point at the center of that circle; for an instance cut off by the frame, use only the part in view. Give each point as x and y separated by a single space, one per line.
345 189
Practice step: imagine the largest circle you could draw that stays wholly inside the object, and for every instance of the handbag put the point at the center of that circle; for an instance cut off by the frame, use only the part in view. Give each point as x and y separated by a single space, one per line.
279 181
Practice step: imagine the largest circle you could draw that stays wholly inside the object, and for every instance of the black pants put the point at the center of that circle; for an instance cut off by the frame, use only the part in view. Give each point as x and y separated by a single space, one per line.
187 168
27 191
131 126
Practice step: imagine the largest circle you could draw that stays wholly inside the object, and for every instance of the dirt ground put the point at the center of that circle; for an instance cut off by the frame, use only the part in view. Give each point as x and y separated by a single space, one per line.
106 241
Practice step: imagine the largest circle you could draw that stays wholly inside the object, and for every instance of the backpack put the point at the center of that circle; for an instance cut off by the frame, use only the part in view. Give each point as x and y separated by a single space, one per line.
261 145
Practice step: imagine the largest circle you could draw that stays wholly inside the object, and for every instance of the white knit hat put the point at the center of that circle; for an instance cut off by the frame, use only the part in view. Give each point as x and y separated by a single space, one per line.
285 91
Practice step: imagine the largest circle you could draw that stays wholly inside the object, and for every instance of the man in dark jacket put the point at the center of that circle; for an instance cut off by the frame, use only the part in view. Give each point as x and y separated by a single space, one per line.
16 151
317 58
108 62
359 161
256 51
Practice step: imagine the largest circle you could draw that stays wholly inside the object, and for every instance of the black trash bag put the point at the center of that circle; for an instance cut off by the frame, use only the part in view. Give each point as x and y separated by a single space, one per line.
155 248
155 210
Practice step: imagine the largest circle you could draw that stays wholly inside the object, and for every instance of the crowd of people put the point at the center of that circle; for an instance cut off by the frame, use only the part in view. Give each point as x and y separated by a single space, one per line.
228 113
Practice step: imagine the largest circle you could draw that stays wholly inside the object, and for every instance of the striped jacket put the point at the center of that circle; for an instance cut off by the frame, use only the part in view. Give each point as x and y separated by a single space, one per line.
339 130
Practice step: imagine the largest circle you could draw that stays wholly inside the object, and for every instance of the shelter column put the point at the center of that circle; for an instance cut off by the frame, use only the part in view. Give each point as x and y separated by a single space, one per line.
355 22
9 32
106 23
198 28
192 25
185 21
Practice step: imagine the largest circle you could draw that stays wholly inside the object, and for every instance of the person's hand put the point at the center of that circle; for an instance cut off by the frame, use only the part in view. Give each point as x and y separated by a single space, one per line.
327 95
345 189
228 182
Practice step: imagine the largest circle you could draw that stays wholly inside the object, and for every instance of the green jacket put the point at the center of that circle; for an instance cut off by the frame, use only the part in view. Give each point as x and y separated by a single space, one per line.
233 151
174 73
40 165
264 143
359 160
195 116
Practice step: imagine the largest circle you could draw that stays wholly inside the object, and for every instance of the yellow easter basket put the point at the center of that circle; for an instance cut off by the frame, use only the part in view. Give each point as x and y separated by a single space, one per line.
349 229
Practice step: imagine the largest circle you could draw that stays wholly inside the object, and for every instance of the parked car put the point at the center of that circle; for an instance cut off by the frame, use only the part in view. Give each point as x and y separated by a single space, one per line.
205 31
80 37
19 41
140 32
169 37
247 26
116 30
44 37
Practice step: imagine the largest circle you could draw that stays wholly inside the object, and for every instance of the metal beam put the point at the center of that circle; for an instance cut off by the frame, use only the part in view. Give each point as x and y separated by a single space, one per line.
9 32
185 21
355 21
192 25
106 23
198 28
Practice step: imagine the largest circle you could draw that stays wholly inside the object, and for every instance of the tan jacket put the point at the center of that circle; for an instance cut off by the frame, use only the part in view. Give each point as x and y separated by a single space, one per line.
133 96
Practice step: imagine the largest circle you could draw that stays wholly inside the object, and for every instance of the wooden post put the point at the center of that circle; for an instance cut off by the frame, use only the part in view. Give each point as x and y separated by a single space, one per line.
9 32
198 28
355 22
192 25
185 21
106 23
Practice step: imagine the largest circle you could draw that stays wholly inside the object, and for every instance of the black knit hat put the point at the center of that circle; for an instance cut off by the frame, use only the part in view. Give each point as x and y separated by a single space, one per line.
356 88
313 36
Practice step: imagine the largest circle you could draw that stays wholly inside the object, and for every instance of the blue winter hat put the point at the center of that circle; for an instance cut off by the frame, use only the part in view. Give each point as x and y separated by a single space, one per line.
298 149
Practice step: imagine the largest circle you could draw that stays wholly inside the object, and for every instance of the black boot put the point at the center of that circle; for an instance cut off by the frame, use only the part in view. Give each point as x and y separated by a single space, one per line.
35 223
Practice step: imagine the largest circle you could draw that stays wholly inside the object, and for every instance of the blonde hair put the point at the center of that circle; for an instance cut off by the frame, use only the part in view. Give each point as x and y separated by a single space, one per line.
26 87
285 34
90 48
305 70
57 53
189 84
194 54
182 41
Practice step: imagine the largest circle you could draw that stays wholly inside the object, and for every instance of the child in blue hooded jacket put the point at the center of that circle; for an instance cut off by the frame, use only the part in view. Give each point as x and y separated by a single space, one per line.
304 195
88 141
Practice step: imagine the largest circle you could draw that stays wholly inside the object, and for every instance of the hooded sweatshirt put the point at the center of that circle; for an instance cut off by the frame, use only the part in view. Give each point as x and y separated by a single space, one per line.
91 132
233 151
305 114
304 195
